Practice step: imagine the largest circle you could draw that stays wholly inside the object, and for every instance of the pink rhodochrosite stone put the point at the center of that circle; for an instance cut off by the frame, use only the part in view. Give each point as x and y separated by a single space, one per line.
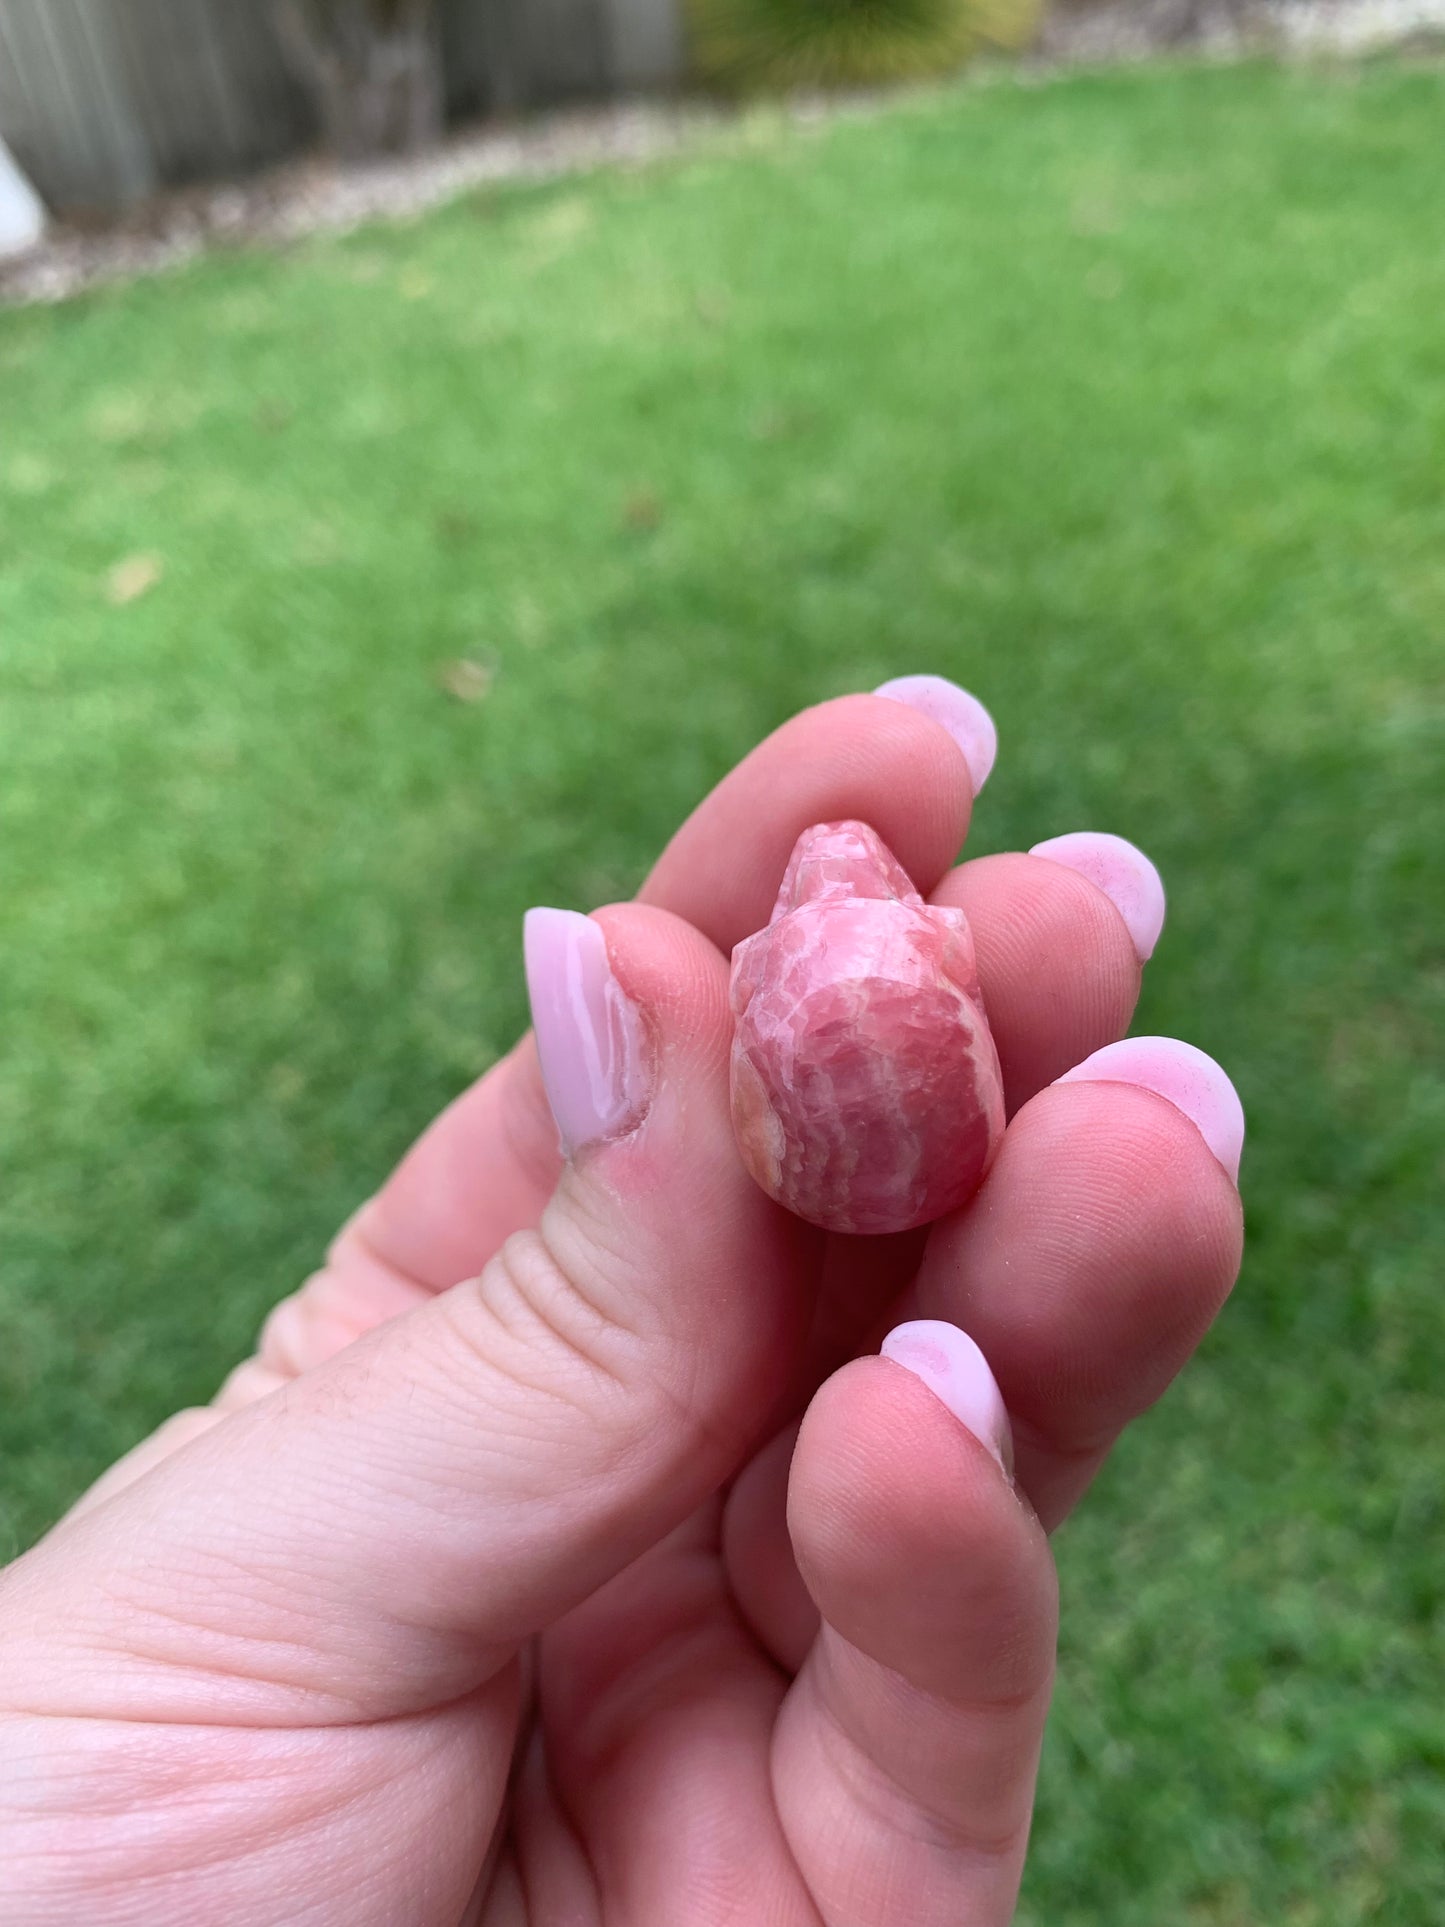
866 1091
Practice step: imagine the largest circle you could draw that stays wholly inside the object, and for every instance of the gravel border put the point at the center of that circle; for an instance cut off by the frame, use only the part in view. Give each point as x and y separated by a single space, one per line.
1129 30
316 196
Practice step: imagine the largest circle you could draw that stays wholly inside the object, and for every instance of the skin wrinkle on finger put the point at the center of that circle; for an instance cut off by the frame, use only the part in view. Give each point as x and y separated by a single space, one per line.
525 1306
919 1812
558 1879
876 1855
227 1645
141 1817
528 1292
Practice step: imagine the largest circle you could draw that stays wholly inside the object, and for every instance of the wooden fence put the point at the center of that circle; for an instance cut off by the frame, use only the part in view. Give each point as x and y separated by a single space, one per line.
105 101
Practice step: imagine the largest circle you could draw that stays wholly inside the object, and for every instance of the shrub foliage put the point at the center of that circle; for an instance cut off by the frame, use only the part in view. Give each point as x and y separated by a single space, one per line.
839 43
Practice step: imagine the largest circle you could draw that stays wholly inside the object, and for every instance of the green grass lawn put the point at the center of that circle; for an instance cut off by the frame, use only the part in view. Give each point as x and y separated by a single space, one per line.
1120 399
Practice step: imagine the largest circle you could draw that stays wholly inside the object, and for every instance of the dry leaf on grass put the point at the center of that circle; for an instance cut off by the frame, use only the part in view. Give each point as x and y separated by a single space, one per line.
133 578
468 681
641 511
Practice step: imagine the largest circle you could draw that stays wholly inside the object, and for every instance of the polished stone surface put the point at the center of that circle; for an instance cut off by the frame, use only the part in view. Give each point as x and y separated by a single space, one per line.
866 1089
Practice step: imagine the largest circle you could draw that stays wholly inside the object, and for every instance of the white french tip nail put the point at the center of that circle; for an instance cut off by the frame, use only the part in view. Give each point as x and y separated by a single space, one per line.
1187 1077
955 1371
1122 871
954 709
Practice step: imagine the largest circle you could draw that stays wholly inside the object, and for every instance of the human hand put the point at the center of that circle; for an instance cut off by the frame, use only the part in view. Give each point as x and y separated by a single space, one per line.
502 1584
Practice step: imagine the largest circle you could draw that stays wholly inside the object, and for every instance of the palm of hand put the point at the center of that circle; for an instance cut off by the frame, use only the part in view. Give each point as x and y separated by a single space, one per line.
626 1646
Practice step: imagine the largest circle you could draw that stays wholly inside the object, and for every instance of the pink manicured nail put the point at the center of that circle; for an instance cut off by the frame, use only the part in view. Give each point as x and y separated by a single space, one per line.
1125 875
590 1038
952 1367
1191 1081
962 715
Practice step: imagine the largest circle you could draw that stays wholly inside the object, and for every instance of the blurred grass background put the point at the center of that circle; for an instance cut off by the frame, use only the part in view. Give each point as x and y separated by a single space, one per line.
353 599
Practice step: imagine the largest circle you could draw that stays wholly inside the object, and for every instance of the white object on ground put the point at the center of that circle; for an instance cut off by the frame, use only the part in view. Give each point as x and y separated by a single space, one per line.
22 218
1356 26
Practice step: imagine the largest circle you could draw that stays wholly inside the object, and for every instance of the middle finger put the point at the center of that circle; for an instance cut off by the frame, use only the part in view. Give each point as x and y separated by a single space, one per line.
1087 1267
1060 970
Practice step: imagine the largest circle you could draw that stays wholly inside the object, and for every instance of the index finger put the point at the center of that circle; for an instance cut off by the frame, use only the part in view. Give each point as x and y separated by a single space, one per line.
894 766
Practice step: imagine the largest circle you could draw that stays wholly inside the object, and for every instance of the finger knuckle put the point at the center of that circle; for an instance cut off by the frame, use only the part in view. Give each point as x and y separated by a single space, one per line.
548 1325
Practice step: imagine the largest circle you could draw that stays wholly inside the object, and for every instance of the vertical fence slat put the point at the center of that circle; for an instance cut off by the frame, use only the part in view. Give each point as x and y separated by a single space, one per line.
646 43
122 137
483 55
567 54
217 95
74 128
15 109
236 125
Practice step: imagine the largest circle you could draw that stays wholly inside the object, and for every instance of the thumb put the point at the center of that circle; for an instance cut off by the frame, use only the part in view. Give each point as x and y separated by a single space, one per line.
383 1532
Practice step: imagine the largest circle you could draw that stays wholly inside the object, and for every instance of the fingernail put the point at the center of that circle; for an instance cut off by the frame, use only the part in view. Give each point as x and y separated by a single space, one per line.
956 1371
1125 875
589 1033
1192 1082
962 715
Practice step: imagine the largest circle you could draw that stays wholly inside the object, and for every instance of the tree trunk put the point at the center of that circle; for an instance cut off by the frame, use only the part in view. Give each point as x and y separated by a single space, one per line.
372 68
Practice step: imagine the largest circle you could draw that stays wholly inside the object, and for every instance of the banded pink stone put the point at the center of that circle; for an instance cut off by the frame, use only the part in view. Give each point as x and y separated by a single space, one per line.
866 1093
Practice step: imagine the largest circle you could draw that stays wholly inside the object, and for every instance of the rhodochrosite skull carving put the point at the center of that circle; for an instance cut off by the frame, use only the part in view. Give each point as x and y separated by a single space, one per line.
866 1091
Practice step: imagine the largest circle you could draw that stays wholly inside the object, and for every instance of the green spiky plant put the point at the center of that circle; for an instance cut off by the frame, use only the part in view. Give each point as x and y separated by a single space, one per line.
769 44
